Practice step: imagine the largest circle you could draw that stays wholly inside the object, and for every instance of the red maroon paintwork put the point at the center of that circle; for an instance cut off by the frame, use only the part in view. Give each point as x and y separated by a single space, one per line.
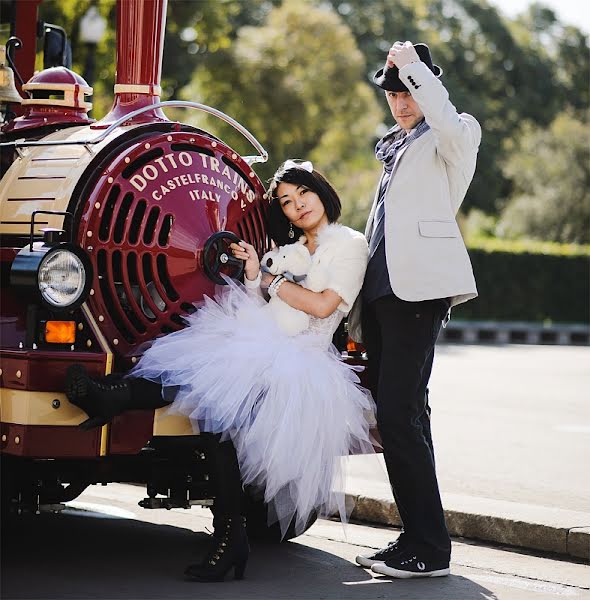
45 370
212 189
60 76
130 432
140 43
40 441
8 254
163 212
42 115
26 15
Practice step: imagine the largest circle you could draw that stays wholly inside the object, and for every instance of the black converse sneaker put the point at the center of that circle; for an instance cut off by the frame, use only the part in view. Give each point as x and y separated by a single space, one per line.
392 549
414 563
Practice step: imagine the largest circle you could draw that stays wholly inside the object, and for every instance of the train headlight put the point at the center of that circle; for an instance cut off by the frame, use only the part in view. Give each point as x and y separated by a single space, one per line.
61 278
61 272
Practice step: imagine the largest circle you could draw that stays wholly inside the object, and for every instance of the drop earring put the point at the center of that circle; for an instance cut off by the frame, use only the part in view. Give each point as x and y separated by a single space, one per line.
291 233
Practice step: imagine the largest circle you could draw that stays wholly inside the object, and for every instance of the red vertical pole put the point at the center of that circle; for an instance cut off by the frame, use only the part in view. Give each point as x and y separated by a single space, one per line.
24 27
140 45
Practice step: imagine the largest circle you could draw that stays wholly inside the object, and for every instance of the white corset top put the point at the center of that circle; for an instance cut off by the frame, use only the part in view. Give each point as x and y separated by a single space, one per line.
322 330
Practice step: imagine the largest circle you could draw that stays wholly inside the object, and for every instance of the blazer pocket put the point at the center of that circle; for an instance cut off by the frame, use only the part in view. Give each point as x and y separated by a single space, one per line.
438 229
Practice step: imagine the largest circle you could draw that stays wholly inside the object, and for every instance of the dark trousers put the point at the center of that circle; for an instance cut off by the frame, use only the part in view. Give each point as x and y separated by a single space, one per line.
223 461
399 337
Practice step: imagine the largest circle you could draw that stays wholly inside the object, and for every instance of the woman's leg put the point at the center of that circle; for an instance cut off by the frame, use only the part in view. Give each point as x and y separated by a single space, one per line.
106 397
227 481
230 542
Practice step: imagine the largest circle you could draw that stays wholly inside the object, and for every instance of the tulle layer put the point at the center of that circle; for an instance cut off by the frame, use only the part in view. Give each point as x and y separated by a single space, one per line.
290 405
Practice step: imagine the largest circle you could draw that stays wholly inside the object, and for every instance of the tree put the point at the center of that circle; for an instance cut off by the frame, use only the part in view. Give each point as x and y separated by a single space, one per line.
550 171
505 72
296 82
193 29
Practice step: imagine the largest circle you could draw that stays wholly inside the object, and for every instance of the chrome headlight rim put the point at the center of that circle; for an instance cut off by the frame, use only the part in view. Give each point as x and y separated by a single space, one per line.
82 291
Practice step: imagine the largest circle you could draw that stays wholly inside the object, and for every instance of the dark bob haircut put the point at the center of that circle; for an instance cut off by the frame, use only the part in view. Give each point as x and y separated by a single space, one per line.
314 181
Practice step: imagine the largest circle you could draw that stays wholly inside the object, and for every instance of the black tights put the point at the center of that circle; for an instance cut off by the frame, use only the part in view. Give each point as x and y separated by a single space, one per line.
227 481
223 461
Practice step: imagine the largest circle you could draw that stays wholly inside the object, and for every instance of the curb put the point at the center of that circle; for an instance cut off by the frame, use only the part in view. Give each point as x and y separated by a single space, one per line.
515 332
547 534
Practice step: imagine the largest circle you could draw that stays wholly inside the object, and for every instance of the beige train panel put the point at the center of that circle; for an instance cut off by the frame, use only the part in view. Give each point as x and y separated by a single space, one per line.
25 189
68 152
16 216
25 407
68 162
55 163
166 424
18 222
47 169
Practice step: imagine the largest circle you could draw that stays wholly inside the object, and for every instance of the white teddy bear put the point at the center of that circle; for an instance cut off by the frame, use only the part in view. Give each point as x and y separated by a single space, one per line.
294 260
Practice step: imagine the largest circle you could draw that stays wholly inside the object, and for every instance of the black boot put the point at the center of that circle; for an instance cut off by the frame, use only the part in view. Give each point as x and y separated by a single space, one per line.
106 397
230 550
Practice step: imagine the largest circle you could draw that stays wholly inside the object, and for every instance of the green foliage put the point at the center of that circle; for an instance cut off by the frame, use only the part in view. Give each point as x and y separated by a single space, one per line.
297 74
526 286
67 14
503 72
523 246
296 82
197 28
193 29
550 171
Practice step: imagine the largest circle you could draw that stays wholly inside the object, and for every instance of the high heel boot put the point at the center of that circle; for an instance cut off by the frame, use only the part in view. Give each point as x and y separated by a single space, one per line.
230 550
106 397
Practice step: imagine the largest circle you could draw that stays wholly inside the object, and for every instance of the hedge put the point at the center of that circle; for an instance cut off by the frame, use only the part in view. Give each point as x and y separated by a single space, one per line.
551 285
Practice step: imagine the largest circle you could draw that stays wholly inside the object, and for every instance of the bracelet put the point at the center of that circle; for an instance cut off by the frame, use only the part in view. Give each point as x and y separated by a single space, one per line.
274 285
278 286
253 283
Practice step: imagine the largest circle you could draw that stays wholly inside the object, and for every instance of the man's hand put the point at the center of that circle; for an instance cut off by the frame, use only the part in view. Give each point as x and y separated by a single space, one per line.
396 46
401 55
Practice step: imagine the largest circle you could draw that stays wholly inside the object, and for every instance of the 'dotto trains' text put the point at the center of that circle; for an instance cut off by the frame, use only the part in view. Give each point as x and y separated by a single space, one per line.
169 172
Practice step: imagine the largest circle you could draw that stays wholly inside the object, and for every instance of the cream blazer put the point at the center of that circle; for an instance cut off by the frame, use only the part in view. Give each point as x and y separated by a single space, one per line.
425 253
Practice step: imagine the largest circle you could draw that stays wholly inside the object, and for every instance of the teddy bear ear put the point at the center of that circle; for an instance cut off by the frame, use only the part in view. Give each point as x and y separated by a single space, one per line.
270 254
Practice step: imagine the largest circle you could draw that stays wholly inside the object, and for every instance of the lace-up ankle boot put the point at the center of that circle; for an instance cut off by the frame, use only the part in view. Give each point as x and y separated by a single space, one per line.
230 549
101 399
106 397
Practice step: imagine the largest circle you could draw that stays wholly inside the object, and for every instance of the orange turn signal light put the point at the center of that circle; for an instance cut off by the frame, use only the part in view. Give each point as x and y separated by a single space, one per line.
60 332
354 348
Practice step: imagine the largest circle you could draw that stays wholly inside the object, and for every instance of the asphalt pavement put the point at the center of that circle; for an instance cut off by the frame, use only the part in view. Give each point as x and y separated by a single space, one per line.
511 429
105 546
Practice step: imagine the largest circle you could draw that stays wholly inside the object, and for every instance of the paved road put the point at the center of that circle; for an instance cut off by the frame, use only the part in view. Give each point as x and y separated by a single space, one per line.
510 423
513 423
108 548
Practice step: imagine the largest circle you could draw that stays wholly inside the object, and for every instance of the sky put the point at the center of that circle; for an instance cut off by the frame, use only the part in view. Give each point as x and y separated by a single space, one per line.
571 12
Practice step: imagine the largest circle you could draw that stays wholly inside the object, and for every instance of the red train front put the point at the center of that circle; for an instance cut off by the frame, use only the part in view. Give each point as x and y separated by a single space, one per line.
109 230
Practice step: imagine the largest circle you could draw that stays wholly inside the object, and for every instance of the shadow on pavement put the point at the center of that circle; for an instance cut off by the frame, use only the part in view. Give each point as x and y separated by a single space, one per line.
91 555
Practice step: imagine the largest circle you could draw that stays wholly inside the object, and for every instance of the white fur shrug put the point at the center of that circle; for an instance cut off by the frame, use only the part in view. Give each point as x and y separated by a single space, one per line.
339 263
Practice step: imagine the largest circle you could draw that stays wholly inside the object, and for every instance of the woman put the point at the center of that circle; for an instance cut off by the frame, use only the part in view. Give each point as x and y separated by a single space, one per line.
285 408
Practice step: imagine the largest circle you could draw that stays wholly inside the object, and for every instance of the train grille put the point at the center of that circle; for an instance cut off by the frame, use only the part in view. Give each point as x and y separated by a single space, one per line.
147 251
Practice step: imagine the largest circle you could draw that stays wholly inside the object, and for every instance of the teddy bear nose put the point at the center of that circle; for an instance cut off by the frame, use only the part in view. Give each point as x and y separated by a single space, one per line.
269 262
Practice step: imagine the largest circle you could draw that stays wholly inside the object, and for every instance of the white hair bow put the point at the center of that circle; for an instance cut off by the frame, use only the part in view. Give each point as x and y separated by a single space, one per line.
291 164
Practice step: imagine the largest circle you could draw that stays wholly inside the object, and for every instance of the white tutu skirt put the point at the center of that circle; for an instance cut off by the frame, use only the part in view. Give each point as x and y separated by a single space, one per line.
290 405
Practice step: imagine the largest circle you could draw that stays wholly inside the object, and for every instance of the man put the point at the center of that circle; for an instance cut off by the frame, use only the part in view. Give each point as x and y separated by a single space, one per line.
418 269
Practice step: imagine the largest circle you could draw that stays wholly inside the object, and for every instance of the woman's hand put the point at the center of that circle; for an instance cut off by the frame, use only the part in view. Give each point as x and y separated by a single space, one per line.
247 252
